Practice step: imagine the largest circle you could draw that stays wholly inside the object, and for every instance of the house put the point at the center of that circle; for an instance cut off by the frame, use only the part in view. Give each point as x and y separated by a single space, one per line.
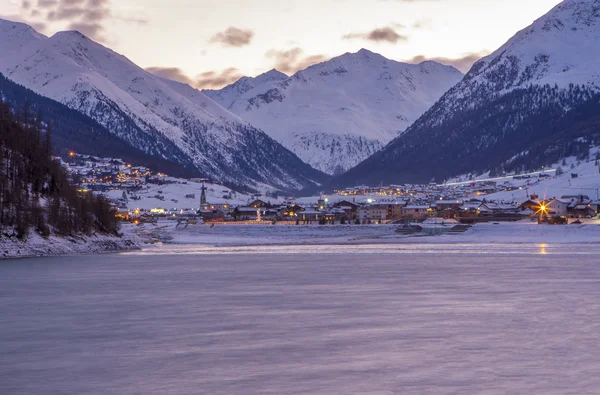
376 212
216 206
334 215
557 207
257 203
583 209
530 204
244 213
447 208
416 211
575 199
310 215
350 214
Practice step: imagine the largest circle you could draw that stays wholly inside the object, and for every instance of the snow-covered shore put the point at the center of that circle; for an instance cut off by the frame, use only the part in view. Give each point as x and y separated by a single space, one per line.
259 235
37 246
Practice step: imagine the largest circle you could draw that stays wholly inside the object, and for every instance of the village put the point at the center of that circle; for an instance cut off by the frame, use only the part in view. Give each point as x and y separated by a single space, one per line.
139 196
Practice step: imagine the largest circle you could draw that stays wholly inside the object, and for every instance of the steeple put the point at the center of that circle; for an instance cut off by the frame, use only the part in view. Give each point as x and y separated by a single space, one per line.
203 195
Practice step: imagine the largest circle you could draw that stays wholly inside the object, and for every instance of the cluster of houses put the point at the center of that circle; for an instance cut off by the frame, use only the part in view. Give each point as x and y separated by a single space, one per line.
465 202
568 206
429 191
386 210
96 174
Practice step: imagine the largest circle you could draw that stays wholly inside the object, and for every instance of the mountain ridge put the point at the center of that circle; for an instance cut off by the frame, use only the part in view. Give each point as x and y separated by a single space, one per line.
524 88
149 112
335 113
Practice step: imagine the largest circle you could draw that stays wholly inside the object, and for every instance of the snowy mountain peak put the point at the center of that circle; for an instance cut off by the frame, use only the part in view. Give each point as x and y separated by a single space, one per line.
229 94
271 75
16 35
559 48
537 97
336 113
161 118
71 35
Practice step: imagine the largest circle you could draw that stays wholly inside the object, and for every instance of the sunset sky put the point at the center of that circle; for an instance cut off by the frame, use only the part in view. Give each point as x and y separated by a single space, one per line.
211 43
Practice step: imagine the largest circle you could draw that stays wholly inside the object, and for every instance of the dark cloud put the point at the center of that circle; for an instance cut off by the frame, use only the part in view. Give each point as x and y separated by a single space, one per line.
233 37
463 63
207 80
383 34
292 60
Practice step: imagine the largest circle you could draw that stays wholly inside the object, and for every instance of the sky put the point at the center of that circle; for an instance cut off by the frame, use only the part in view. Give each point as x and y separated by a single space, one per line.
211 43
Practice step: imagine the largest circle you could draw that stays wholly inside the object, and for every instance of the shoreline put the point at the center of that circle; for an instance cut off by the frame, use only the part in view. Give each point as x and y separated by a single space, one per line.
35 246
516 233
150 237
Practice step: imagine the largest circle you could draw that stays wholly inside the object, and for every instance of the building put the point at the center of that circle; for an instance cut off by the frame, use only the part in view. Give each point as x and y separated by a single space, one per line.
416 211
372 213
557 207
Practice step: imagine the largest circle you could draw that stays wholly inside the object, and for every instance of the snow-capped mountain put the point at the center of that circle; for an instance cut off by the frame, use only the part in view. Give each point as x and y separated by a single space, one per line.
229 94
160 117
337 113
515 101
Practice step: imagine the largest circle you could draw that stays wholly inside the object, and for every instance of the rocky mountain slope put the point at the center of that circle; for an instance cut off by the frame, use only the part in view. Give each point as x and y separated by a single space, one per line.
337 113
532 99
160 118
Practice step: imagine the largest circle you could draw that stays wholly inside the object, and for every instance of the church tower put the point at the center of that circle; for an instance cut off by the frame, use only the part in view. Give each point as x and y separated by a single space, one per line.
203 195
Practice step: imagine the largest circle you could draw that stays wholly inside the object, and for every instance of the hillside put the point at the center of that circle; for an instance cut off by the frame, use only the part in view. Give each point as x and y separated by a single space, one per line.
146 111
535 99
74 131
35 192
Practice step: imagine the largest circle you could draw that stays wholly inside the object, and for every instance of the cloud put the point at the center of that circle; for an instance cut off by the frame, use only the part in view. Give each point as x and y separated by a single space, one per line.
233 37
47 3
171 73
87 16
463 63
218 79
292 60
92 29
206 80
383 34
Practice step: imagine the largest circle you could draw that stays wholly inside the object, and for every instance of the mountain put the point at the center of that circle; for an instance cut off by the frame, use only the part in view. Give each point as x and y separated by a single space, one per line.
74 131
228 95
337 113
162 119
533 100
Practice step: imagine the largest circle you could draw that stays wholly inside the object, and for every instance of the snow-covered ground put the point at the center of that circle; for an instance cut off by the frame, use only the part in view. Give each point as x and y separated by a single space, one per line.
214 194
37 246
587 183
523 232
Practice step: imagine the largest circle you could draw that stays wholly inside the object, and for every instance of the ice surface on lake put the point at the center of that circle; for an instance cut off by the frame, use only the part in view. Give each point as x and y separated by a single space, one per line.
371 319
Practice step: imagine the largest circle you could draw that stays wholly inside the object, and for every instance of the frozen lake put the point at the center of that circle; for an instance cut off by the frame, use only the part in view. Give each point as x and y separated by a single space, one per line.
369 319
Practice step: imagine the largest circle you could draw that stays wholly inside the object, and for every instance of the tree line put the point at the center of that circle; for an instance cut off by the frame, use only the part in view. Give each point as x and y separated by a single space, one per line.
35 190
